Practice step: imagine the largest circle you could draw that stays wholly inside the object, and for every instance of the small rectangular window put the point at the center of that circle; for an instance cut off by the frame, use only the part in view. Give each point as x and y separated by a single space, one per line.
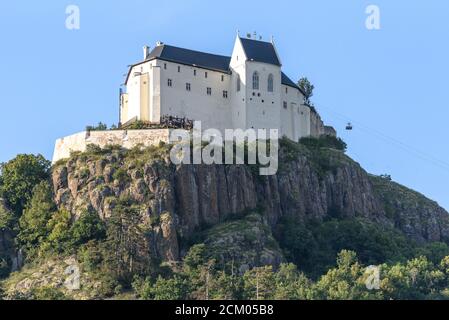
179 69
225 94
188 86
205 74
222 78
285 104
286 90
209 91
169 82
194 72
165 66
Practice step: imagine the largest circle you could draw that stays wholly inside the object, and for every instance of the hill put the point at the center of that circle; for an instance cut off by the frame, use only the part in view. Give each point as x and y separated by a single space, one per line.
137 226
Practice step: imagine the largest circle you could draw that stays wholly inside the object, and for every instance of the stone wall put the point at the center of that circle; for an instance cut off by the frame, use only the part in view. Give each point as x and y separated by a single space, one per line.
317 127
124 138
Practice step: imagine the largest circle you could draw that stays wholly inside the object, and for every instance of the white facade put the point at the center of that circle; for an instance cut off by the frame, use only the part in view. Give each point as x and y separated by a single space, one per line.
222 99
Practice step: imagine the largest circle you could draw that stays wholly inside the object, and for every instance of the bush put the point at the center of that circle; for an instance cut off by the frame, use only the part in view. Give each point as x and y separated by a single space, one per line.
99 127
121 175
47 293
88 227
325 141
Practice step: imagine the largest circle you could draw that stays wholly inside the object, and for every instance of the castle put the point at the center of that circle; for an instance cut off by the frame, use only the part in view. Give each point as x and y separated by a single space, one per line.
247 90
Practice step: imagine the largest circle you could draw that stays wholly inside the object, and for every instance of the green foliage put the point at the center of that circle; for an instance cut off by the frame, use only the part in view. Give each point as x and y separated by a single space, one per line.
325 141
258 283
314 246
45 230
99 127
126 245
121 175
88 227
291 284
169 289
175 288
7 219
196 256
139 124
47 293
4 266
34 222
307 88
19 177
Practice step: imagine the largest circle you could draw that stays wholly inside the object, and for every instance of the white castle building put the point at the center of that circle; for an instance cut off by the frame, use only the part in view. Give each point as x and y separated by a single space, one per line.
246 90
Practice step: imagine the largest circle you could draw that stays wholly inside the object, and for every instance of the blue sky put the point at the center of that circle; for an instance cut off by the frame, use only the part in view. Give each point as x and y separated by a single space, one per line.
392 83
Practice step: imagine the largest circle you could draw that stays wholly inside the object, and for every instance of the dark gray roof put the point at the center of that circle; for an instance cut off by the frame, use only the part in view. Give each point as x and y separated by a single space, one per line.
288 82
190 57
260 51
255 50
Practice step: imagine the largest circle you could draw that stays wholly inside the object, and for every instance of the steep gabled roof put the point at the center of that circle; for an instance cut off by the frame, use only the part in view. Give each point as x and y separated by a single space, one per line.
288 82
260 51
256 50
191 57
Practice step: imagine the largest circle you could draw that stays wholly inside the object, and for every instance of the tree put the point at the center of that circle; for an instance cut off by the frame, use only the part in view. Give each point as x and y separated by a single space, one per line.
34 221
226 287
126 245
19 177
345 282
169 289
290 284
307 88
7 218
258 283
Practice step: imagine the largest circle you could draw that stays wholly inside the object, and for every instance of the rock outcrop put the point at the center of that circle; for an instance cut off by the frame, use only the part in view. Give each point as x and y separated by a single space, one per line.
188 199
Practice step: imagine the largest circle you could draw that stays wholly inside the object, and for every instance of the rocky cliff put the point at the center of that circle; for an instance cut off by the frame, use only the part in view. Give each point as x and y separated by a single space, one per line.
190 200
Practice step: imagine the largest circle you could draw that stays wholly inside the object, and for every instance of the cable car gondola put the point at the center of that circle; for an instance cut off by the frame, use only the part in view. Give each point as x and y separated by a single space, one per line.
349 126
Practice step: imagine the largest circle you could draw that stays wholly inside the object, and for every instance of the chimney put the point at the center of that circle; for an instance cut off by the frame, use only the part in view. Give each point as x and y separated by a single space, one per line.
146 52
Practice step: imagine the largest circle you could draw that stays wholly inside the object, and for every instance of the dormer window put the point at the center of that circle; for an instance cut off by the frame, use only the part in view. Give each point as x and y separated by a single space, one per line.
255 80
270 83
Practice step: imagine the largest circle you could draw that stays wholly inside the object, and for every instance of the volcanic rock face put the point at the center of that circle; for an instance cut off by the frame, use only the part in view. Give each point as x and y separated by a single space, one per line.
189 199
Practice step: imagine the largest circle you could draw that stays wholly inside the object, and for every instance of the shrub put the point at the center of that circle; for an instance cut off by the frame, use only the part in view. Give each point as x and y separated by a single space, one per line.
99 127
88 227
325 141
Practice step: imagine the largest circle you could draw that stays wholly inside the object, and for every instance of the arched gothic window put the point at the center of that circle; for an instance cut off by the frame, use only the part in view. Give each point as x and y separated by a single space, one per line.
255 80
270 83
